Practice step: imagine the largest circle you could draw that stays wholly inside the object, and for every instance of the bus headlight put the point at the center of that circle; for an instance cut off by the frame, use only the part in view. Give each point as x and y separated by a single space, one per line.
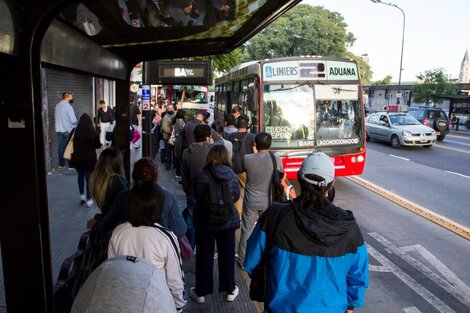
353 159
360 159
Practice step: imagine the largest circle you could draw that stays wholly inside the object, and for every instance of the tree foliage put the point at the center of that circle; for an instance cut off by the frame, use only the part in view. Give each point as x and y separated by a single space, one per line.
387 80
305 30
431 84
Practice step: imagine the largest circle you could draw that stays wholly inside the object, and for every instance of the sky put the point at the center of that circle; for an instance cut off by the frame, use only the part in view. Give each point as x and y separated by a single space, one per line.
437 34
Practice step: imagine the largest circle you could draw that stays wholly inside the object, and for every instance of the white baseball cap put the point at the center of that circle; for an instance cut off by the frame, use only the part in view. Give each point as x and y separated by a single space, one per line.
318 163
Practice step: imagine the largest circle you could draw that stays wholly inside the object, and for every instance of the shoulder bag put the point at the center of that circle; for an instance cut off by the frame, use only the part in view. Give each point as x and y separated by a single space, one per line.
69 149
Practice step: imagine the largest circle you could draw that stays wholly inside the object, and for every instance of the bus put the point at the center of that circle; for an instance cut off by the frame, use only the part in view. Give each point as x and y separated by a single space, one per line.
305 103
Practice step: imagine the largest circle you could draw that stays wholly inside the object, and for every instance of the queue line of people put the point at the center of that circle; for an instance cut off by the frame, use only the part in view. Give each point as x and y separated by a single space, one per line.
146 221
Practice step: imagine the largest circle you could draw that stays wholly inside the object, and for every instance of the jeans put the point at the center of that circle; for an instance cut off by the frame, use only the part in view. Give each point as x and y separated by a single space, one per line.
103 127
62 143
191 203
82 179
249 218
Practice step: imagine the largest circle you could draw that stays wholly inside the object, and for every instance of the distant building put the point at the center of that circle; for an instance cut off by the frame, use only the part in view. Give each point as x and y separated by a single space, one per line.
464 76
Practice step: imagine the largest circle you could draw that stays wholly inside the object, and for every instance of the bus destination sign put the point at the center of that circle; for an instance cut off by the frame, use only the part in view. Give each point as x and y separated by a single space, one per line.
310 70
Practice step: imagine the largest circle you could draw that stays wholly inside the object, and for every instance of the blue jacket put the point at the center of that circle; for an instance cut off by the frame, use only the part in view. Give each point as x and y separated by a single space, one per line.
318 261
201 191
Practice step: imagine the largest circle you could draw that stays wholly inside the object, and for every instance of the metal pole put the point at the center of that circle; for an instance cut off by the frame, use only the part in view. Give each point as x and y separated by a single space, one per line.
402 37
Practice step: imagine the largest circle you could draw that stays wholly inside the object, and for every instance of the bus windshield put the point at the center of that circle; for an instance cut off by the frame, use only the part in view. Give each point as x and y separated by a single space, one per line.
290 116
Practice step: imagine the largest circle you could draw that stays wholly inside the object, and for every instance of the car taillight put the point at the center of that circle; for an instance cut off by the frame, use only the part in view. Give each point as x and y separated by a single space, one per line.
425 121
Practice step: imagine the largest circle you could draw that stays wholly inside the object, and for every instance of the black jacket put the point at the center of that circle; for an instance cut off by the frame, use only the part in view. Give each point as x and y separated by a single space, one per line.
84 151
201 190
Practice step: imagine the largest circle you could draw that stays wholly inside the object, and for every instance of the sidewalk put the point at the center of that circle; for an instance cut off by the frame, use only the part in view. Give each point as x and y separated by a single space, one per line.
463 131
68 221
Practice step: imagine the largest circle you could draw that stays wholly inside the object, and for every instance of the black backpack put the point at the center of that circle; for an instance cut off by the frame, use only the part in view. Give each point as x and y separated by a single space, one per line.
277 190
239 151
220 209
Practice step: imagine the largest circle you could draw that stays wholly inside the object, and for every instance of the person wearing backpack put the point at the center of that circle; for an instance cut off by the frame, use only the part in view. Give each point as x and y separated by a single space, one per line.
216 189
192 162
259 173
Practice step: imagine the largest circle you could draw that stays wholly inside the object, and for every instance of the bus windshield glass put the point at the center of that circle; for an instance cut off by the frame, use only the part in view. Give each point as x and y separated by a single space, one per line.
306 115
288 115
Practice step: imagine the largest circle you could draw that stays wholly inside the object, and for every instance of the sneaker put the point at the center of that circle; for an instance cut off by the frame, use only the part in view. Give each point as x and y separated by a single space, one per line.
82 199
193 294
89 203
233 295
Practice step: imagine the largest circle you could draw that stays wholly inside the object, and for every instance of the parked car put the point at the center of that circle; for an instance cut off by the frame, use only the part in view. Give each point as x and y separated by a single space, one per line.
433 117
400 129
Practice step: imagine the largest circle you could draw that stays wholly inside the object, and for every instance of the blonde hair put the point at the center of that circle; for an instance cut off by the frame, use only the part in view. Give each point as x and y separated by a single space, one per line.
109 164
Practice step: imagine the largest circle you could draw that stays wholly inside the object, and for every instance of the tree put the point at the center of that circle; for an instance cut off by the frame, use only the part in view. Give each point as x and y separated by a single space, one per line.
305 30
431 85
387 80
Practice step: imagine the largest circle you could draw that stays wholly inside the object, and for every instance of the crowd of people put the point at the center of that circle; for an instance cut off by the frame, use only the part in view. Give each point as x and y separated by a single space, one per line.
315 254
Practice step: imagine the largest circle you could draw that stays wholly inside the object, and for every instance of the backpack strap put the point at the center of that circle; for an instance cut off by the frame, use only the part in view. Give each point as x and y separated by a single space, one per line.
275 177
173 242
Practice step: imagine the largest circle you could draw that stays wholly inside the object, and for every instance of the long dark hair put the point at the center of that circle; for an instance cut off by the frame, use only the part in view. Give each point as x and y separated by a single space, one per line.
145 204
218 155
85 129
312 197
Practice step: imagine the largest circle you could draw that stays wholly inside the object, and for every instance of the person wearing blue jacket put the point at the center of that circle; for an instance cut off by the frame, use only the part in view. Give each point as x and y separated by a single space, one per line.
318 260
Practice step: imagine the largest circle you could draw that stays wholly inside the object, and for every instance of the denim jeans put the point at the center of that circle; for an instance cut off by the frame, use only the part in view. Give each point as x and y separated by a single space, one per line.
62 143
249 218
82 179
191 204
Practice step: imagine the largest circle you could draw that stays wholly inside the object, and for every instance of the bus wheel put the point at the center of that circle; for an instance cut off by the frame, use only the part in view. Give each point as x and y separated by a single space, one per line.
395 142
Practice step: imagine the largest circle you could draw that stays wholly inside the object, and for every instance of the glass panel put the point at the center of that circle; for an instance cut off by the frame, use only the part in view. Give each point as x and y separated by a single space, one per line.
7 31
166 13
288 115
338 115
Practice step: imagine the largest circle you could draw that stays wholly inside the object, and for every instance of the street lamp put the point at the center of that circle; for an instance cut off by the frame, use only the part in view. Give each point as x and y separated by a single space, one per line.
304 38
402 37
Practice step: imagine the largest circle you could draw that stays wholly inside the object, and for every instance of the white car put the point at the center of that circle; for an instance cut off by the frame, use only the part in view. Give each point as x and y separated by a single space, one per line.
400 129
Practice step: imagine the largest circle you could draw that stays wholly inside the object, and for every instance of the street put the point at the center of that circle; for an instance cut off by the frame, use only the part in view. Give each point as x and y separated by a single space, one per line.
415 265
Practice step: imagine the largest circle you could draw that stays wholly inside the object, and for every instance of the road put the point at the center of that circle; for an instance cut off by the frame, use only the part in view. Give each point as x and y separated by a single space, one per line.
437 178
415 265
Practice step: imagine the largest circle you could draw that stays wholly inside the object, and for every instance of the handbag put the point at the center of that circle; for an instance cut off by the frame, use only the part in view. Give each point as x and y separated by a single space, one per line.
185 248
69 148
172 139
259 277
186 251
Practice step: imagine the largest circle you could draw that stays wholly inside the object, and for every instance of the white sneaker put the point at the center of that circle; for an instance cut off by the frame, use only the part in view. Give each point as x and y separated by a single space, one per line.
82 199
233 295
194 296
89 203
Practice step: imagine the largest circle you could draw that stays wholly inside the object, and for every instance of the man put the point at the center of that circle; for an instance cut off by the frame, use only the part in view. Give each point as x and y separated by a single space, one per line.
236 112
105 118
317 255
190 126
193 161
259 172
218 127
65 121
230 125
167 128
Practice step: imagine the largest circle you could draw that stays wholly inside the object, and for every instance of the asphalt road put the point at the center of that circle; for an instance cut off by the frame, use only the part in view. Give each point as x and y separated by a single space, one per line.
437 178
415 265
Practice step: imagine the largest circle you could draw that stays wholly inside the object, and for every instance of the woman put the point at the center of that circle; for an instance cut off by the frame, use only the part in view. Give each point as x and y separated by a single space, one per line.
85 143
211 228
108 179
143 237
171 216
318 260
178 130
